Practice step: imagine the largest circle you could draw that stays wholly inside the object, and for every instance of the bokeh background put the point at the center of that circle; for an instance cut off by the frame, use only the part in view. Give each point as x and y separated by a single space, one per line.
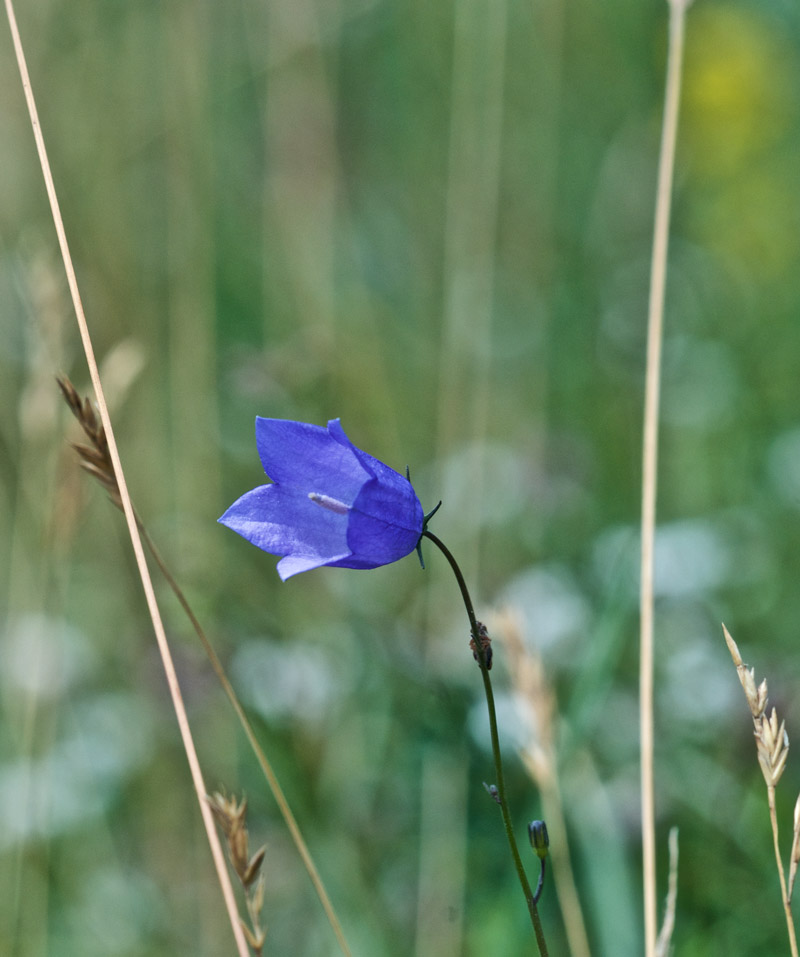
433 220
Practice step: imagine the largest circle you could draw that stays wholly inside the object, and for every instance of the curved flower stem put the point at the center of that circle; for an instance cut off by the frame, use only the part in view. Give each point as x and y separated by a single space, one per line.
480 653
538 892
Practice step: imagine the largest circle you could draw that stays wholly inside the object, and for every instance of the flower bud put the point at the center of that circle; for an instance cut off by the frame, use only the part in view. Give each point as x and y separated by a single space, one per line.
540 842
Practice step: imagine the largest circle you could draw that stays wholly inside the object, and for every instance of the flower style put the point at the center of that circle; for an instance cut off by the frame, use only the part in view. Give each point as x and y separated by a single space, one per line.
329 503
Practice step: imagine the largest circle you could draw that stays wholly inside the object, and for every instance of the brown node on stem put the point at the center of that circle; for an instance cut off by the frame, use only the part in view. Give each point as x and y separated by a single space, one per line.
485 645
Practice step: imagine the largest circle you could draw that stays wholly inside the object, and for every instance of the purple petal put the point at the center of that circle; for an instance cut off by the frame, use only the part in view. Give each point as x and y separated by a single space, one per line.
284 521
308 457
385 521
373 466
387 517
294 564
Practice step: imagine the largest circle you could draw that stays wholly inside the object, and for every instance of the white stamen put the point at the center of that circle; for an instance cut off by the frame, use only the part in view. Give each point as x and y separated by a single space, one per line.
333 504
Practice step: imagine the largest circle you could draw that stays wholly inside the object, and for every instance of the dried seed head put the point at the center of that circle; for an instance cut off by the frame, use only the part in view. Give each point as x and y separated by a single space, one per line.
230 815
254 939
237 843
257 898
732 647
772 741
761 697
254 866
756 697
95 457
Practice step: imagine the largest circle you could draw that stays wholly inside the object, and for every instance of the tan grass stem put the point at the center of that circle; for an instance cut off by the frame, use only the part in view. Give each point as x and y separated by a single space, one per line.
787 904
794 857
668 924
655 322
152 604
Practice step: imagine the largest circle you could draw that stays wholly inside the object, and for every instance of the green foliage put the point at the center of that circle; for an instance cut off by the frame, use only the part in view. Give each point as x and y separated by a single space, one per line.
433 220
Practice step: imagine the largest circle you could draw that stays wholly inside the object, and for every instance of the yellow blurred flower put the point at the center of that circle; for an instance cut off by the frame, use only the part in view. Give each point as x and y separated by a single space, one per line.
738 127
738 90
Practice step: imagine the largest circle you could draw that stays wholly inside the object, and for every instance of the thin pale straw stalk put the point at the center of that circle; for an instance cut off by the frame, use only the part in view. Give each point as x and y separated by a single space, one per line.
668 926
785 900
658 275
795 855
147 584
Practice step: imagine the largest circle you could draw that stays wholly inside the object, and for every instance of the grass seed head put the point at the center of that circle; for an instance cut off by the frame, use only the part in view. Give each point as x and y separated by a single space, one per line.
772 741
95 457
230 815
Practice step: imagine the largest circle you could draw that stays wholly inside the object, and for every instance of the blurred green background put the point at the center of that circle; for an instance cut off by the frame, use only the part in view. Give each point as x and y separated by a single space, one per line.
433 220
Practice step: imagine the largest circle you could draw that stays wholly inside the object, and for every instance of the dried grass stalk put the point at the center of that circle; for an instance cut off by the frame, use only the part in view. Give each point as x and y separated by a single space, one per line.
795 855
655 324
668 926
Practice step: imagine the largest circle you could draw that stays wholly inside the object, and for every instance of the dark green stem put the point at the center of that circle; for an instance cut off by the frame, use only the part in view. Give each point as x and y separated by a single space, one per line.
538 892
480 653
